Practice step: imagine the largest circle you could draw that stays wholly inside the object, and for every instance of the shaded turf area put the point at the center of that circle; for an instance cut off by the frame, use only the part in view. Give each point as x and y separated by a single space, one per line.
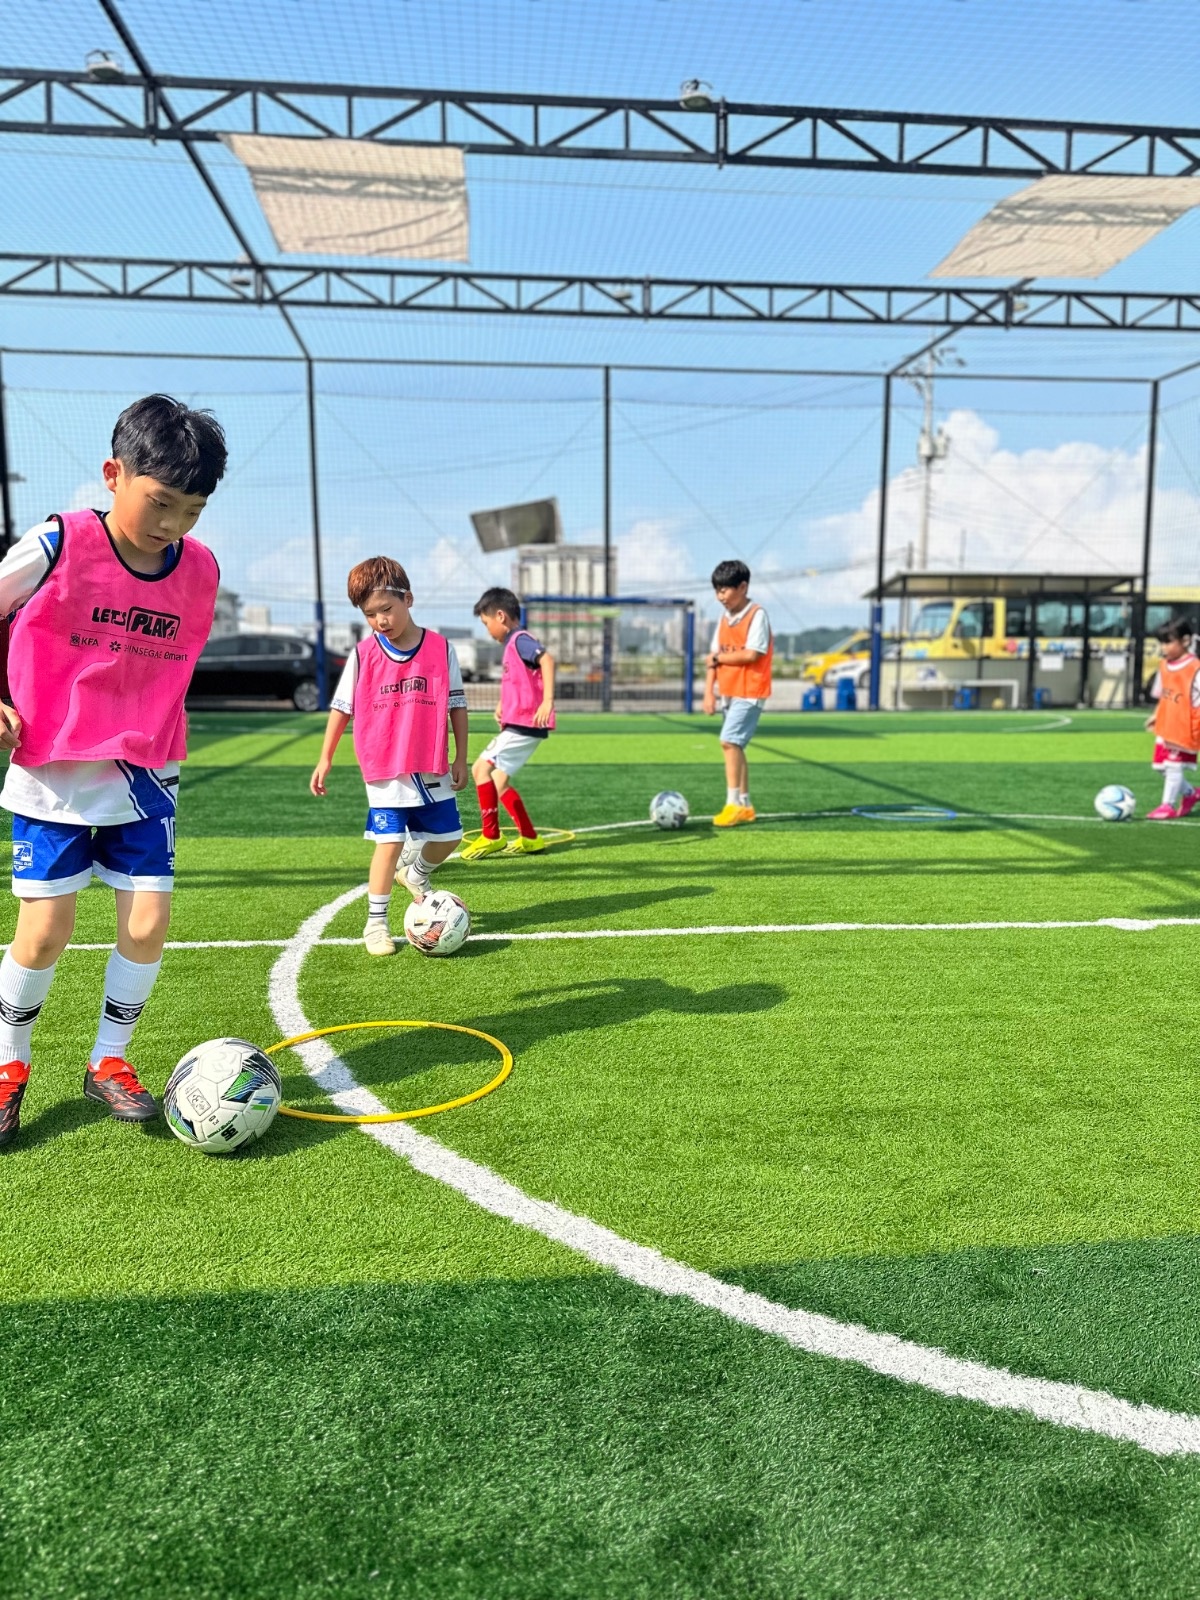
312 1370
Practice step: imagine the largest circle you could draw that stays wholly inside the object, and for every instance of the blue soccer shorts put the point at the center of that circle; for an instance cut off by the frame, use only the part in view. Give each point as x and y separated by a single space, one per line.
741 722
55 858
436 820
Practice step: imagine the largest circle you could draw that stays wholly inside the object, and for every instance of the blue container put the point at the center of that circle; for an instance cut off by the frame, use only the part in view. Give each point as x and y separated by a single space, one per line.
847 698
812 699
1041 697
966 698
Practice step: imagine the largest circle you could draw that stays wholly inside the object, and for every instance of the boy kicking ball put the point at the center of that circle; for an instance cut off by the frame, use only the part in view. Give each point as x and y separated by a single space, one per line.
526 717
400 685
1176 720
739 674
113 609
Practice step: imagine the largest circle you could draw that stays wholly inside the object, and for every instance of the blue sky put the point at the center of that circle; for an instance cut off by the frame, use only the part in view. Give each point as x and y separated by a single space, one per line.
782 470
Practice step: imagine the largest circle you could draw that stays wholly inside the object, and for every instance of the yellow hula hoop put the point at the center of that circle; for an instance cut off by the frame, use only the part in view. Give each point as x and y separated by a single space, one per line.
506 1066
552 836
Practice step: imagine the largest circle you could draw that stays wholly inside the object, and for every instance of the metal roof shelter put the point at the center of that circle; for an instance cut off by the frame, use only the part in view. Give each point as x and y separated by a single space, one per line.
1007 585
180 116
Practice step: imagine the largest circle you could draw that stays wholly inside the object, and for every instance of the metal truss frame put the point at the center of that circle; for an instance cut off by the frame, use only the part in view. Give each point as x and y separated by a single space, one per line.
589 128
541 294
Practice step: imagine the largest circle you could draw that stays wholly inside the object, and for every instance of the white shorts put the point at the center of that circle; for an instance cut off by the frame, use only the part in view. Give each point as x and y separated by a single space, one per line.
510 750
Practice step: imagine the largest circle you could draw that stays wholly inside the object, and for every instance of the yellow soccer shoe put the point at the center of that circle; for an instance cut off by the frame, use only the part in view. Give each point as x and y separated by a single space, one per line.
525 847
734 816
478 848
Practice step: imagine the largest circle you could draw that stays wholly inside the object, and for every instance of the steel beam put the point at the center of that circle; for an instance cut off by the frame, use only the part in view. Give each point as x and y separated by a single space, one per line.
215 282
590 128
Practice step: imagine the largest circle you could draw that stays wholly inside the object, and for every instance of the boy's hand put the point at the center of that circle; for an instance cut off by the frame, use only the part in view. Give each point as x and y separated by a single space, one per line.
10 728
458 773
317 782
542 715
1150 722
710 705
496 714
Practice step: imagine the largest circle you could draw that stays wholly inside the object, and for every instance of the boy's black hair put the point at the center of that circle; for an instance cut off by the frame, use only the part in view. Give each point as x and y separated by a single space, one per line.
728 574
158 437
493 600
1178 628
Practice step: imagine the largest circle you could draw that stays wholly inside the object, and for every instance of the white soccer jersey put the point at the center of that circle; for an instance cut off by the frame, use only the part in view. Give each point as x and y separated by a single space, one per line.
410 788
95 793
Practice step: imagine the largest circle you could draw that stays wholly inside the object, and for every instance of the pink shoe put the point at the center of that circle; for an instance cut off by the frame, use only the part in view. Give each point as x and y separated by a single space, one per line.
1189 802
1164 814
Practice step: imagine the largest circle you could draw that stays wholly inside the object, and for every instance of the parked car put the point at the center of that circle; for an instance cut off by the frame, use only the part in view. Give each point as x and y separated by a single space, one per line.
264 666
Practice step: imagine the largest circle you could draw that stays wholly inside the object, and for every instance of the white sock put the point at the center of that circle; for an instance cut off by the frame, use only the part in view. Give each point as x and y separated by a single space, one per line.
744 797
378 907
127 986
1172 785
733 797
22 991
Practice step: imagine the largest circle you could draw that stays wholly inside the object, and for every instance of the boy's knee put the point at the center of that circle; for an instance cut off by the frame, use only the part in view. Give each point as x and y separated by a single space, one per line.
482 770
44 929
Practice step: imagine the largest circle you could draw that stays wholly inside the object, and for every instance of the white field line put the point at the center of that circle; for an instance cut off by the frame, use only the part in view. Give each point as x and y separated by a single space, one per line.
1164 1433
1123 924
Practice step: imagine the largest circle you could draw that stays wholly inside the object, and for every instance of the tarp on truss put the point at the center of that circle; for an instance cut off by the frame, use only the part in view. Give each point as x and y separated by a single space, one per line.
353 197
1069 227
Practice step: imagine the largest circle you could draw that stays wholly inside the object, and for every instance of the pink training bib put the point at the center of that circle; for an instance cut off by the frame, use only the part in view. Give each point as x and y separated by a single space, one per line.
400 709
101 657
521 687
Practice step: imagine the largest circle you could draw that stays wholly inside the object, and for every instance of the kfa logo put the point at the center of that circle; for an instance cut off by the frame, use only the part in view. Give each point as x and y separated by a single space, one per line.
150 624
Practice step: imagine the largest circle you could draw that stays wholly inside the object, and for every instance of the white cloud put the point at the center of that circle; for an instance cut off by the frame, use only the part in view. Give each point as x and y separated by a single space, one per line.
1073 507
651 557
89 496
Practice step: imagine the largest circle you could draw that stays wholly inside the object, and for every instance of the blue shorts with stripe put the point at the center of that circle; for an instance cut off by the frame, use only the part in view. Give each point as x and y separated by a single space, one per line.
436 819
56 858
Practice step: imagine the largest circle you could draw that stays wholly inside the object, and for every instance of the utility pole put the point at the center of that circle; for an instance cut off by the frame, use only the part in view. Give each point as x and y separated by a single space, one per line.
931 448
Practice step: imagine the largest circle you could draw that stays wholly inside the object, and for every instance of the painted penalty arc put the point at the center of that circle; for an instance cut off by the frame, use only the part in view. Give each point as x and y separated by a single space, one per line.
506 1066
1066 1405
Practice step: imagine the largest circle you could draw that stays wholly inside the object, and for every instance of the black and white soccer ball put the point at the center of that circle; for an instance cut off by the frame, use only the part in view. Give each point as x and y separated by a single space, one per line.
1115 803
223 1094
668 809
438 925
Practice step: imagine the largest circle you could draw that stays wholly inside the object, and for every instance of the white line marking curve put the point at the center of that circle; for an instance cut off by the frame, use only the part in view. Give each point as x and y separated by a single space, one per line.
1163 1433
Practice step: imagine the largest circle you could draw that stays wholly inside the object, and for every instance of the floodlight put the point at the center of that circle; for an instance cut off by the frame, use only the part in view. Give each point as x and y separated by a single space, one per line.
696 95
241 277
623 292
104 66
536 522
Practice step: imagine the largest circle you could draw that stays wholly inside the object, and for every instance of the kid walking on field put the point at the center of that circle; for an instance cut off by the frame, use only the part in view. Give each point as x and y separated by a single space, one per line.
1176 720
400 685
526 717
739 674
112 610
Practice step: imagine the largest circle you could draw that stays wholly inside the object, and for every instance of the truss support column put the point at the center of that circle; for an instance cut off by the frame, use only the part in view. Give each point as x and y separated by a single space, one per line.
880 551
8 532
1134 695
314 484
606 664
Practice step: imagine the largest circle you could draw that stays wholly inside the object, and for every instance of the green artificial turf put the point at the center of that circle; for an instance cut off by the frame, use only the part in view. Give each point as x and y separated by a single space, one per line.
311 1370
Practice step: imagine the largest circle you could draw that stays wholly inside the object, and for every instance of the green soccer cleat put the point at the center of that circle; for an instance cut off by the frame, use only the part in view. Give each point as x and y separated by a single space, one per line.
525 847
478 848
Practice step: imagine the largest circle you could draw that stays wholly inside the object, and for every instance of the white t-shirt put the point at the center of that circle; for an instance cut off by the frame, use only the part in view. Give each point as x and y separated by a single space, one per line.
97 794
758 635
1156 688
409 788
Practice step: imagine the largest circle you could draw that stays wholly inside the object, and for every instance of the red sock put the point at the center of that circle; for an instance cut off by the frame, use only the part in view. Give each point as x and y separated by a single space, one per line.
487 810
515 806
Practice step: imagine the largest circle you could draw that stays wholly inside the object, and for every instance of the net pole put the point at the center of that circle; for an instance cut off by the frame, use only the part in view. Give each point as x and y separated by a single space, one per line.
606 657
689 659
1133 695
314 483
880 551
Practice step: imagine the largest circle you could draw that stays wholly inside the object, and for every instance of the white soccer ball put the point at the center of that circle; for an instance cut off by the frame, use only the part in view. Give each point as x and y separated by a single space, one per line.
222 1095
1115 803
437 925
668 809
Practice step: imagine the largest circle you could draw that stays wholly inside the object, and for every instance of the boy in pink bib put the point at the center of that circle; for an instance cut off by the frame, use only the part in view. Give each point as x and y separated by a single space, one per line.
112 610
400 685
526 717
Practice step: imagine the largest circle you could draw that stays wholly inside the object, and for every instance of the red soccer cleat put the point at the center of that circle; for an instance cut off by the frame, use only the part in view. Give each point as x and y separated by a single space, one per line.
115 1084
14 1077
1163 813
